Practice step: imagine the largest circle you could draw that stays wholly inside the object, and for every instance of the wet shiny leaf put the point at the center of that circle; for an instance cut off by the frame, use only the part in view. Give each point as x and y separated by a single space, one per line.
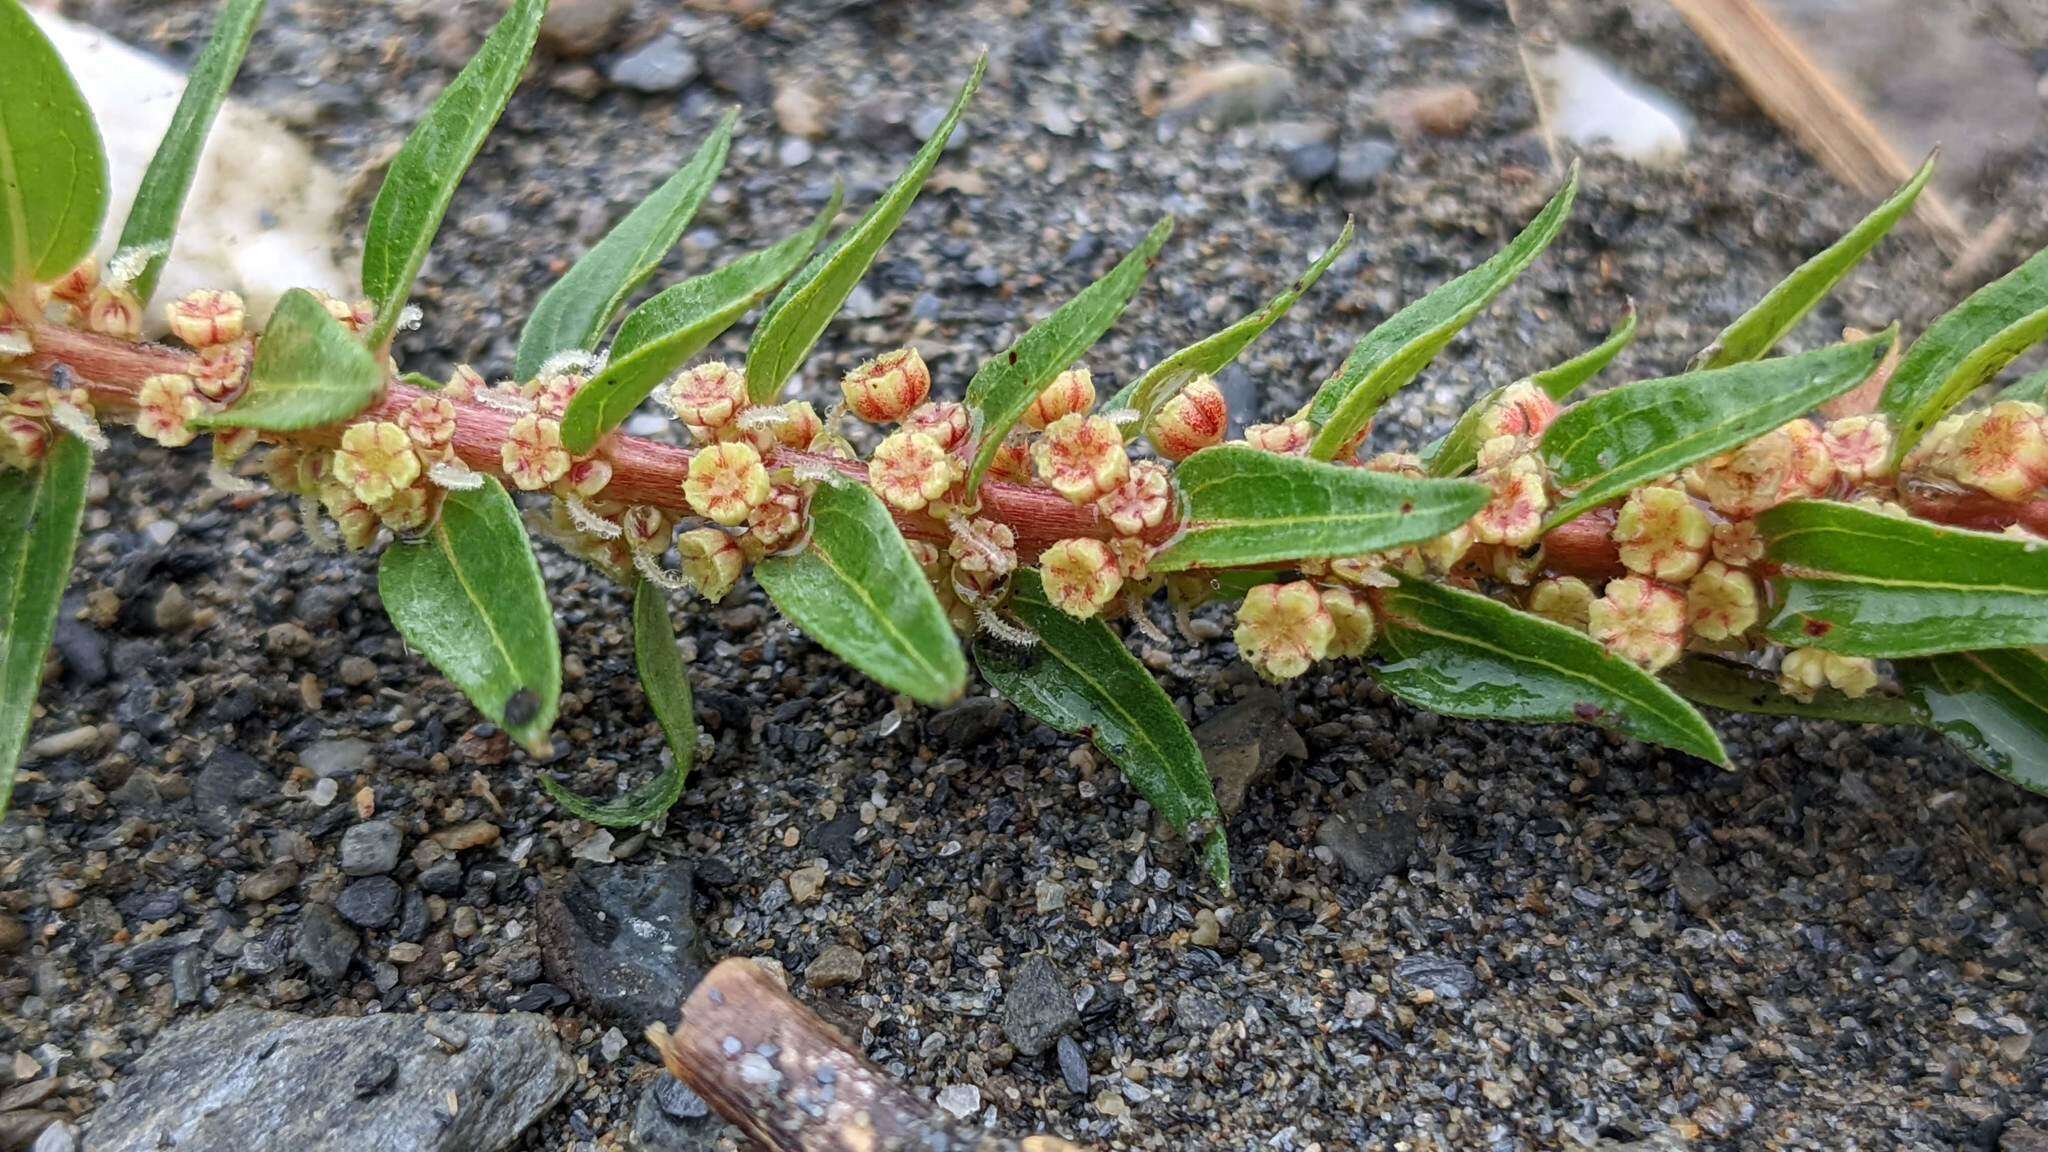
1993 704
39 515
53 170
1969 346
1734 687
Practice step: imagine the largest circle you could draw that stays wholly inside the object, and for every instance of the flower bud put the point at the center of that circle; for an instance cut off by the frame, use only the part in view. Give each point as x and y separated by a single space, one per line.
1860 446
79 284
1522 410
1288 439
1283 628
1662 534
1351 622
1132 556
1514 516
711 561
1080 576
1071 392
1012 461
24 441
1721 602
1564 600
115 312
1141 502
778 522
1737 543
221 369
2002 450
1807 670
945 421
585 479
463 384
708 395
357 521
165 407
983 550
1640 621
231 444
1813 470
551 394
430 421
645 528
1442 553
910 470
1194 418
726 482
885 389
408 511
1082 457
532 454
206 317
375 460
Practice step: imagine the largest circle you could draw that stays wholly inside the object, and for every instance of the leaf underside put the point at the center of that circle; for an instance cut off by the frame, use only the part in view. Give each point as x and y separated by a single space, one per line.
39 516
53 169
667 684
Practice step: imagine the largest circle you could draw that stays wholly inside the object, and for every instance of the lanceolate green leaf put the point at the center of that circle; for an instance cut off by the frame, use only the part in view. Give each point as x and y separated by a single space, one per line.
1079 678
469 597
1244 506
1461 654
1964 349
1007 383
1862 583
1758 330
575 312
161 196
423 176
1606 445
1397 351
662 334
1207 356
1993 704
797 317
1735 687
856 589
39 511
1455 454
309 371
667 685
53 172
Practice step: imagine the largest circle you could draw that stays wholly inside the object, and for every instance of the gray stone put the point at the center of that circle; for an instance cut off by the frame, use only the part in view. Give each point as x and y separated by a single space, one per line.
623 940
371 902
1446 978
1037 1009
1073 1065
1244 742
574 28
671 1118
324 944
1198 1013
243 1079
1311 163
230 783
338 759
1697 888
663 64
370 848
835 966
1360 164
968 722
1373 834
59 1137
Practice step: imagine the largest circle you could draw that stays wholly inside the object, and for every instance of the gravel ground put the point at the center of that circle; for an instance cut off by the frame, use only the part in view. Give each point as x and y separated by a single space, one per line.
1444 935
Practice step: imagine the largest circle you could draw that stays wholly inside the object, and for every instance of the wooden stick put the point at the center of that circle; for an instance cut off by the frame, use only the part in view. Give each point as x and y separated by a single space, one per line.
789 1081
1810 104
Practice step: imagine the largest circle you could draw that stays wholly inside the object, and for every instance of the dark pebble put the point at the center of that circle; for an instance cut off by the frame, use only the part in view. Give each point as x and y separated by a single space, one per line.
371 902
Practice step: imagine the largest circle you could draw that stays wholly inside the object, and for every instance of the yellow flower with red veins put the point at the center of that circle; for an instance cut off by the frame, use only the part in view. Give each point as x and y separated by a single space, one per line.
430 422
1662 534
551 394
726 482
885 389
985 550
1521 410
1082 457
376 460
1721 602
1566 600
1288 439
945 421
1080 576
2003 450
586 478
115 312
778 521
708 395
1748 480
206 317
220 370
1737 543
1195 418
1640 621
165 407
408 511
711 561
1514 516
1140 502
532 453
910 470
1012 461
1813 469
1350 621
1860 446
1072 391
1808 670
1283 628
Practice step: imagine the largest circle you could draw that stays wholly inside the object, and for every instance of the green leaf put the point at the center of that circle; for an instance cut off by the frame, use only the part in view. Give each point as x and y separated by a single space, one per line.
1758 330
574 314
53 171
1009 381
662 334
469 597
1455 454
1079 678
1243 507
667 685
39 512
797 317
1993 704
153 220
1461 654
309 371
1609 444
2031 389
1211 354
1967 347
422 178
857 590
1397 351
1733 687
1862 583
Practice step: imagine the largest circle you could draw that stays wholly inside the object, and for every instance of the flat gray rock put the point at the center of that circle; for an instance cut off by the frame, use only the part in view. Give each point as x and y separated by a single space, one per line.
243 1079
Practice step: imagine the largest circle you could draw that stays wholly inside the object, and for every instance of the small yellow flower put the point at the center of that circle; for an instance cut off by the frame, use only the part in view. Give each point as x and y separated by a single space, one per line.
532 454
885 389
778 521
910 470
1012 461
1721 602
1080 576
2002 450
1351 622
1514 516
1071 392
983 550
1860 446
1813 469
78 284
1808 670
206 317
1662 534
1442 553
551 394
1641 621
357 521
1195 418
115 312
165 407
1288 439
1748 480
24 441
221 369
1140 502
945 421
708 396
586 478
408 511
375 460
430 422
645 528
1283 628
726 482
1565 600
1737 543
1522 410
711 561
1082 457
